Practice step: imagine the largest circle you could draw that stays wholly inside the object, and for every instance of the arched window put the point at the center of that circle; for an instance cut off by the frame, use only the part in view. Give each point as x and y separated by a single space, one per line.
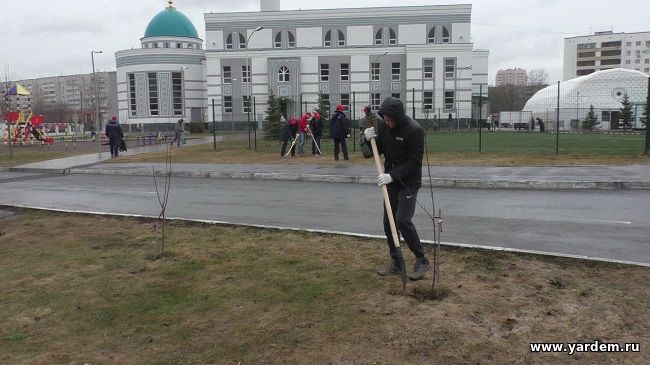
379 37
328 39
242 41
392 37
278 40
445 35
283 74
341 39
292 39
229 41
431 37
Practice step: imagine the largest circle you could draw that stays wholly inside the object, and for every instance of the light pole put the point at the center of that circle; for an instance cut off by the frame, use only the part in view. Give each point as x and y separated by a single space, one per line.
97 122
458 69
577 103
250 84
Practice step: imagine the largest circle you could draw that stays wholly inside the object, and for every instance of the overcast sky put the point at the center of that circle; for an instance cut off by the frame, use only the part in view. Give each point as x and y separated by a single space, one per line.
41 38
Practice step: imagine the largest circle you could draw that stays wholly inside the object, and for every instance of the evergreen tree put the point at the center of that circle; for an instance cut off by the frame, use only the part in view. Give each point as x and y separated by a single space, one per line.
273 126
625 115
324 111
591 121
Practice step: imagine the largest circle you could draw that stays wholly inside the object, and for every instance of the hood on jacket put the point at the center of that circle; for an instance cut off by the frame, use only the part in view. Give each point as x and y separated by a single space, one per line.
393 108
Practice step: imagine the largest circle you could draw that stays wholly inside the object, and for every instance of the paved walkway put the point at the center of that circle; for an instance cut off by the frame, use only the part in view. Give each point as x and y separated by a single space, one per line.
538 177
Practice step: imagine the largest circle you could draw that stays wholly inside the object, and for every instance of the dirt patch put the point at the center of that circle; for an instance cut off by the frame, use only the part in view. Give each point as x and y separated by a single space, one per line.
84 289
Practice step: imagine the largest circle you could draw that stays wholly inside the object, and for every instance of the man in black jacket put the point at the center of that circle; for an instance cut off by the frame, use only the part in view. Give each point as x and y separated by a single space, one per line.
115 134
401 140
340 130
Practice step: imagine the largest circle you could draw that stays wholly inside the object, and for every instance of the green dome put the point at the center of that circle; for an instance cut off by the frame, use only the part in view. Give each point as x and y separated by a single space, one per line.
171 23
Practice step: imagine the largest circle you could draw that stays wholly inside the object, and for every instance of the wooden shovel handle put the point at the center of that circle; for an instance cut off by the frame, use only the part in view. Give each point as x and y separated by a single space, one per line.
389 210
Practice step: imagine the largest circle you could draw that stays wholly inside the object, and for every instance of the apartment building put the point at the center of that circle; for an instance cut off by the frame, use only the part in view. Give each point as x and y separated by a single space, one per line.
584 55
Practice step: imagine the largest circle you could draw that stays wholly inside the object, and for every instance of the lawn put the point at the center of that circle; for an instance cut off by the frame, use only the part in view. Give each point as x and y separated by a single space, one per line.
86 289
444 149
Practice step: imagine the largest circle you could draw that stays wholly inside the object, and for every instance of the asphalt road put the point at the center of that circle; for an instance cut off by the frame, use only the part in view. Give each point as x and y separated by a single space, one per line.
603 224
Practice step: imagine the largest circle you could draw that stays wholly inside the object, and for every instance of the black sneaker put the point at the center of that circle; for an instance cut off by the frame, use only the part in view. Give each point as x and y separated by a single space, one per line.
393 267
420 268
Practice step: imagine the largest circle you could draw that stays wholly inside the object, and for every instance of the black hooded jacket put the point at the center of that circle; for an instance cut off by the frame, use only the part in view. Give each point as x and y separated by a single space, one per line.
114 130
402 146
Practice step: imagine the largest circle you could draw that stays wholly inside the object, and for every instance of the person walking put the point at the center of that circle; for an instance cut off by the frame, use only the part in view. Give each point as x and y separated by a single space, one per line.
289 131
115 134
401 140
340 130
178 132
316 127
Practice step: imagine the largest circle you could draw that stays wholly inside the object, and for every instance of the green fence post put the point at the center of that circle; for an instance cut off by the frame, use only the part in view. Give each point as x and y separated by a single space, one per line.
214 127
557 121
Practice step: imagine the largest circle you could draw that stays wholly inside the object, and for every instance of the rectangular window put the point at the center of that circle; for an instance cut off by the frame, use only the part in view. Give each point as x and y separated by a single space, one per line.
638 60
428 100
345 72
646 69
395 71
374 71
246 103
449 100
227 104
396 95
132 97
165 44
586 45
179 45
628 62
246 74
374 101
586 54
450 68
628 44
611 44
605 116
227 75
428 69
647 60
324 72
177 93
638 43
345 99
190 46
153 93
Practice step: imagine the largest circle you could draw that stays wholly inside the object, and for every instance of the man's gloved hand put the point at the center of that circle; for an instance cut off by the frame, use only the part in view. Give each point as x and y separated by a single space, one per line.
384 179
370 133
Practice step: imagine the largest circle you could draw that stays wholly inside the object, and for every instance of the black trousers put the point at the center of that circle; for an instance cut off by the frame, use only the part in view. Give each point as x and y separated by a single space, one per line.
284 148
403 204
313 145
115 146
340 142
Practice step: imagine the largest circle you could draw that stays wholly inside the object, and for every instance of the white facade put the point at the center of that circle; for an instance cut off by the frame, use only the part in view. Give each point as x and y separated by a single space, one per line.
603 89
333 54
606 50
356 57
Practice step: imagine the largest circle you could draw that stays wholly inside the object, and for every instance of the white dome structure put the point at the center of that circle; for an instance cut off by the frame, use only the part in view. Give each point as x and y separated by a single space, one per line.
604 90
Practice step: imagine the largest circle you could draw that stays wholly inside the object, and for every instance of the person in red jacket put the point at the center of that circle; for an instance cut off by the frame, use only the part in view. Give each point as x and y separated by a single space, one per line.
302 133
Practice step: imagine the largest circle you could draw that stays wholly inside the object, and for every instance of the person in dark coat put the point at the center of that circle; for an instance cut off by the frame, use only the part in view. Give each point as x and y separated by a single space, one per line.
340 130
289 131
540 123
401 140
178 132
115 134
316 127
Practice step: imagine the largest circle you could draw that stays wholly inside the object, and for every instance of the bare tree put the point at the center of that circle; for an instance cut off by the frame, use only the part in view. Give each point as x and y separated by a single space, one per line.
163 199
6 79
538 77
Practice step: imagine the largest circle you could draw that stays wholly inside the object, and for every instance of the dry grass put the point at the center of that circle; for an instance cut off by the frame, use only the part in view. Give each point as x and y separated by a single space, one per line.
237 152
81 289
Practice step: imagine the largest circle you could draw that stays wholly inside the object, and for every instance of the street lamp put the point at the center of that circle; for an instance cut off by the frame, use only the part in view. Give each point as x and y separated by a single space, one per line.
98 125
250 84
458 69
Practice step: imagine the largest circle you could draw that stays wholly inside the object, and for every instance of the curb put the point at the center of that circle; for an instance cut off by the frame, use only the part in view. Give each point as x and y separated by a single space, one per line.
344 233
348 179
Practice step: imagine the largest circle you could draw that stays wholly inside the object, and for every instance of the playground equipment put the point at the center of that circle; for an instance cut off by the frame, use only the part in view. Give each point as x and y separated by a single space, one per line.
22 127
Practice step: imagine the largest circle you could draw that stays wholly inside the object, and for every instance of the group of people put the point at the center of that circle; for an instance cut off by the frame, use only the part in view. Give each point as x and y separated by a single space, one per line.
295 132
401 140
